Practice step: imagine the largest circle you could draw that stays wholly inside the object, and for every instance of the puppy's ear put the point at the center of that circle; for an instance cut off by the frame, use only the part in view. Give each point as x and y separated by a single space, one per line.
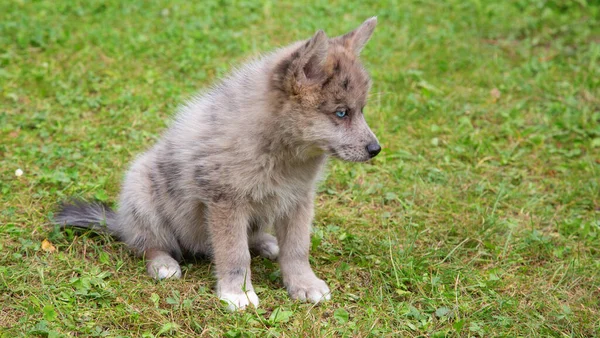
305 66
312 56
357 39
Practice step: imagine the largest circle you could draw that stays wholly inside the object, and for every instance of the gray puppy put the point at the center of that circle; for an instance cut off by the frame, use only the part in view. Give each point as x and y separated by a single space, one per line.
241 160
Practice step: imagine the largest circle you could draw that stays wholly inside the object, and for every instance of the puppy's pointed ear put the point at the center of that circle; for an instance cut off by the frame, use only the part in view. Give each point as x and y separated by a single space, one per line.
358 38
305 65
313 55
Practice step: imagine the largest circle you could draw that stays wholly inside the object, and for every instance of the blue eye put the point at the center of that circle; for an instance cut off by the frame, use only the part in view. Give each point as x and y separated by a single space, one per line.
340 113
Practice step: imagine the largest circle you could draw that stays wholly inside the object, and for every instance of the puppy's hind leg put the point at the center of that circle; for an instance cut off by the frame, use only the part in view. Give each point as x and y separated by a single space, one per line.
161 265
264 244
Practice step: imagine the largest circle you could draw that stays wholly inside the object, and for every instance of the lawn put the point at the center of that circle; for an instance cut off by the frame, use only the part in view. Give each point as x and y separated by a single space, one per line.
481 216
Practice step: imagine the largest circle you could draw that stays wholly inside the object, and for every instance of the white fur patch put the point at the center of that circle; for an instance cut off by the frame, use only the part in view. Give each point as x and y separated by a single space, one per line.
265 245
314 291
239 301
269 250
164 267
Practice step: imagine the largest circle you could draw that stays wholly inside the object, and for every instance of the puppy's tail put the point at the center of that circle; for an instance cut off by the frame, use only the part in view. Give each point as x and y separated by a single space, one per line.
95 216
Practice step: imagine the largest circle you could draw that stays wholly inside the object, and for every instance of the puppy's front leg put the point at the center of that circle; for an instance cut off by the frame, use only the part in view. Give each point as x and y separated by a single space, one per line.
293 235
228 223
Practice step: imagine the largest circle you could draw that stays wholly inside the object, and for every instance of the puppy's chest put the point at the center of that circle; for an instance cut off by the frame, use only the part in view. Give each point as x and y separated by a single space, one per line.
279 194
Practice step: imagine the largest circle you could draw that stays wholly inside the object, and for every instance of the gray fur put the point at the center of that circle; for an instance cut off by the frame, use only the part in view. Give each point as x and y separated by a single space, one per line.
95 216
243 159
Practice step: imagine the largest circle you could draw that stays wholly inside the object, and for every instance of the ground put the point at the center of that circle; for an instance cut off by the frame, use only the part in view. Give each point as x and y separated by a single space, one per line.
481 216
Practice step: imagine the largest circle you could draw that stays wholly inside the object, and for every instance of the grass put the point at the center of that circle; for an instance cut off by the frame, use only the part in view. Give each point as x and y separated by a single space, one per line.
481 217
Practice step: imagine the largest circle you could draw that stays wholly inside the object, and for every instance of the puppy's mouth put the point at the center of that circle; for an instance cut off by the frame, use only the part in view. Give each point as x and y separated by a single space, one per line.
333 152
340 155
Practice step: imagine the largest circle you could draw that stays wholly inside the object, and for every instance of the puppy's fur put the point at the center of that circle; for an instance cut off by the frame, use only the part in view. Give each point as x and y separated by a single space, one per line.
242 159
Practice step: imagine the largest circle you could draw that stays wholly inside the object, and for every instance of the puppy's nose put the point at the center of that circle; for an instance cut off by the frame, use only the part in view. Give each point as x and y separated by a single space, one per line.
373 149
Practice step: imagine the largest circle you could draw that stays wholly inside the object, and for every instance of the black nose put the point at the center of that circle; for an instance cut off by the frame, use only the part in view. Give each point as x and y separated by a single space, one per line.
373 149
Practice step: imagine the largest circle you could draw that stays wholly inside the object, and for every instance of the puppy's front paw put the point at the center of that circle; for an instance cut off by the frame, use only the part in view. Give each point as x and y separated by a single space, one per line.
239 301
310 289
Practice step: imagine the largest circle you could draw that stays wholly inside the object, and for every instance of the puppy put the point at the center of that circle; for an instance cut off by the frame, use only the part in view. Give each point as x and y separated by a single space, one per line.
240 162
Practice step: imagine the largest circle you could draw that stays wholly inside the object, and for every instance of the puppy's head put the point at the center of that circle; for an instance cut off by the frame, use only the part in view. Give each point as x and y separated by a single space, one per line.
322 90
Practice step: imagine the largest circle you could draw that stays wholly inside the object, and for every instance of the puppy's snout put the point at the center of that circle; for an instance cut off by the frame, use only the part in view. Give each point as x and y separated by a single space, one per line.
373 149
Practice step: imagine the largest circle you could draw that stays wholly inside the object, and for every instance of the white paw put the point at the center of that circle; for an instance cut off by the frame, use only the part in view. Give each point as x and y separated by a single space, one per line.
239 301
309 289
269 250
164 267
266 245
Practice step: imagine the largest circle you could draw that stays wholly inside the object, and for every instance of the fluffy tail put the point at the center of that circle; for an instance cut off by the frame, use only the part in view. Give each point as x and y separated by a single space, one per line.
95 216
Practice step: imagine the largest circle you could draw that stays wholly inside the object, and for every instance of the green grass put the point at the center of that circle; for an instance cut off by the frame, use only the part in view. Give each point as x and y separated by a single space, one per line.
481 217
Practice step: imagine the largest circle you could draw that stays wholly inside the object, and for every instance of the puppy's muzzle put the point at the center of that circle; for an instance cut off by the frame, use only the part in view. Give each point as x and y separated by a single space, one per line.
373 149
